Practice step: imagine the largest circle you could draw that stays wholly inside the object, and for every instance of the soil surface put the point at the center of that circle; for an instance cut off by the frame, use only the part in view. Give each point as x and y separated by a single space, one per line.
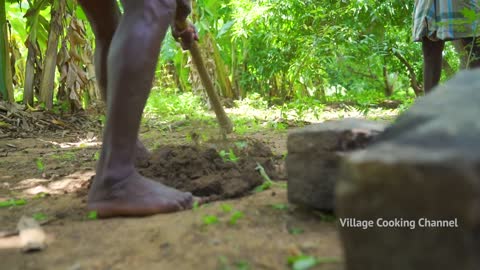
240 229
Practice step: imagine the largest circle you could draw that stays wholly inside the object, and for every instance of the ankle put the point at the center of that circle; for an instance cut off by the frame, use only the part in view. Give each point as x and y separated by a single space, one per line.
111 176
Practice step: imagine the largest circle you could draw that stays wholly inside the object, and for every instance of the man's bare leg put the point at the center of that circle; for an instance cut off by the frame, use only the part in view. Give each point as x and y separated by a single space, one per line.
118 189
104 17
432 63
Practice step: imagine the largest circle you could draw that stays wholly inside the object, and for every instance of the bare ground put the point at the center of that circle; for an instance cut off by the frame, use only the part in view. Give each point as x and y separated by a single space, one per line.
52 173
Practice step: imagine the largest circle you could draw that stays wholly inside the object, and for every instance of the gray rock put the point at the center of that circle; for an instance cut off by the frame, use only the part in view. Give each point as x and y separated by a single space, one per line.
314 155
424 166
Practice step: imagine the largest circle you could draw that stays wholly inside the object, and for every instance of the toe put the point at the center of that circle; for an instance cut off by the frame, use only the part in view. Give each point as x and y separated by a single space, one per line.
187 200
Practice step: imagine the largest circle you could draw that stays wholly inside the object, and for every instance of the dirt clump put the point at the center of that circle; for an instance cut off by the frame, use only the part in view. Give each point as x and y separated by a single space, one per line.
217 171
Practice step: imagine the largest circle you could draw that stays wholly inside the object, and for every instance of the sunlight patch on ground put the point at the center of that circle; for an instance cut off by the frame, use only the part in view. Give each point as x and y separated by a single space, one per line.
68 184
82 143
312 116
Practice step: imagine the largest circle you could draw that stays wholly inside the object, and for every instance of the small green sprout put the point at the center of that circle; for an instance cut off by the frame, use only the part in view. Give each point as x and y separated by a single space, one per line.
296 231
39 216
228 157
195 206
210 219
327 217
305 262
226 265
40 165
232 156
302 262
280 206
235 217
242 265
226 208
267 183
241 144
92 215
96 156
102 119
69 156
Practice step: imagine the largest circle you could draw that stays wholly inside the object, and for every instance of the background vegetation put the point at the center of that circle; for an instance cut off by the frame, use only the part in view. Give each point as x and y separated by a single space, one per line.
301 52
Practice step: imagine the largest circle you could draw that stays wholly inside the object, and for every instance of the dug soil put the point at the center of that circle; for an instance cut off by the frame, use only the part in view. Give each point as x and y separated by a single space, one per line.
218 171
243 227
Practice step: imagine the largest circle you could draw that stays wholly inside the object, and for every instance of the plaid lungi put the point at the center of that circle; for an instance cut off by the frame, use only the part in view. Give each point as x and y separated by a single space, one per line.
446 19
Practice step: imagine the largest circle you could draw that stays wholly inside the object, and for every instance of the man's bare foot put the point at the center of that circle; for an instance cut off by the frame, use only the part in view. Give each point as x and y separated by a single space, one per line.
136 196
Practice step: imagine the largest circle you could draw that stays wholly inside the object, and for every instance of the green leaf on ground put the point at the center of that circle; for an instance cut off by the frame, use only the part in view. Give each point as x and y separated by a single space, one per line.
13 202
280 206
227 208
92 215
195 206
96 156
40 165
296 231
305 262
210 219
302 262
235 217
39 216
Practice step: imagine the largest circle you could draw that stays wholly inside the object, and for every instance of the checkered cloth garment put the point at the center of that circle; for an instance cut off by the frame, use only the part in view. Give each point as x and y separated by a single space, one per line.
445 19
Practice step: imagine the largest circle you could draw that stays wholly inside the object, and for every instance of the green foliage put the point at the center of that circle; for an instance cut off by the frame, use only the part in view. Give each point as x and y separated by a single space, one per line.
171 106
291 56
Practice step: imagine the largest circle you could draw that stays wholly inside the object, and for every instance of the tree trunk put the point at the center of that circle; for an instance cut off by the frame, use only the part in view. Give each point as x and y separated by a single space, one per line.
235 71
49 67
447 68
388 84
6 86
225 84
411 73
8 69
462 54
33 71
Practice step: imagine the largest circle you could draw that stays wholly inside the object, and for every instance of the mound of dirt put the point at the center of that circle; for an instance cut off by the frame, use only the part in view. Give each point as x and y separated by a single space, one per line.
218 171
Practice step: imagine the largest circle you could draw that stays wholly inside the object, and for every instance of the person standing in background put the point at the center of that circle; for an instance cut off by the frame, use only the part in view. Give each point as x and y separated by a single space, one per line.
437 21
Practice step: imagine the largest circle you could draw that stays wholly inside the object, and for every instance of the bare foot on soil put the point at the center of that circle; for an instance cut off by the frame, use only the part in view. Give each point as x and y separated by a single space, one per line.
136 196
